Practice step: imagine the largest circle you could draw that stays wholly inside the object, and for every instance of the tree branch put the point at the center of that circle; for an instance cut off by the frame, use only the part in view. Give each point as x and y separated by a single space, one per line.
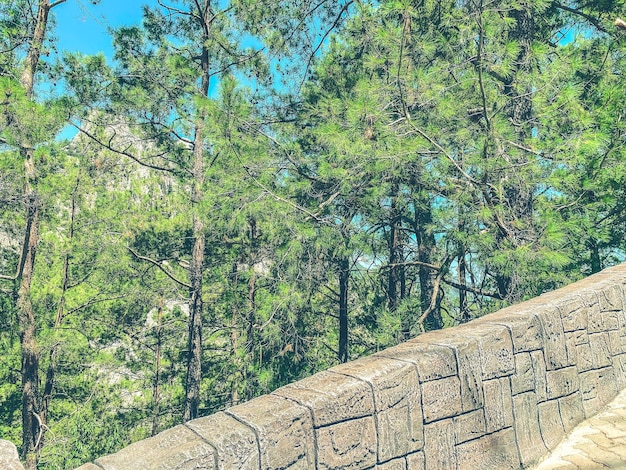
125 153
594 21
473 290
160 266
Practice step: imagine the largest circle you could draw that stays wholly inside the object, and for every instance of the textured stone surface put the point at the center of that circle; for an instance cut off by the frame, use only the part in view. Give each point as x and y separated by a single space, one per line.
235 443
178 448
497 451
571 409
9 459
284 431
441 398
496 393
439 445
529 441
498 405
555 352
347 445
469 426
550 423
397 400
432 361
526 329
332 397
524 378
562 382
598 443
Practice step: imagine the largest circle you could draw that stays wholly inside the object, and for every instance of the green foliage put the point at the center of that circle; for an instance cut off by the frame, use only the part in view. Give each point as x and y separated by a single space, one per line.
371 171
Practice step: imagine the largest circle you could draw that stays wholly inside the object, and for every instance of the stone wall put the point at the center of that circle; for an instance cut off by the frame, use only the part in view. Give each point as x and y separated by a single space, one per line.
496 393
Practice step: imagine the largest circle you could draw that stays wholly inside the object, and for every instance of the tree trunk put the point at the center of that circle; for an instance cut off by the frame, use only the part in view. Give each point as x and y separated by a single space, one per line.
395 289
462 273
31 406
426 247
156 384
344 277
596 262
196 268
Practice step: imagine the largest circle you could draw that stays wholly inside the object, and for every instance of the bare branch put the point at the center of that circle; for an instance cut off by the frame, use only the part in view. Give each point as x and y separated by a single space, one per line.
473 290
160 266
124 152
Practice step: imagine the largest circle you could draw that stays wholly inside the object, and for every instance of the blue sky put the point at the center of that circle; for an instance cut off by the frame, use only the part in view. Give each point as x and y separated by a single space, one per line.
82 26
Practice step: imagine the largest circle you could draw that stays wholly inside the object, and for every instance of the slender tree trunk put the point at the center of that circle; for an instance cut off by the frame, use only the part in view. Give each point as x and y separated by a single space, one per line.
196 269
31 405
596 262
425 253
344 277
462 272
234 339
251 332
156 384
31 426
394 290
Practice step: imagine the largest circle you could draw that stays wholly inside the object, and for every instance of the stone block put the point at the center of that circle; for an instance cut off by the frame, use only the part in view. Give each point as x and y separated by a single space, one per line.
439 448
594 315
177 448
496 451
573 314
9 459
498 404
441 398
539 368
619 368
616 342
571 411
346 445
600 350
585 357
284 430
555 352
399 432
397 401
530 443
610 298
87 466
550 423
416 461
562 382
469 426
524 378
526 329
433 362
235 443
496 350
578 337
570 346
598 387
332 397
466 347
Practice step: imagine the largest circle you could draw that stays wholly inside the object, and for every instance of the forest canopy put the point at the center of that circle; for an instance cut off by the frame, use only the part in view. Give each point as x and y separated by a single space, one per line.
257 190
